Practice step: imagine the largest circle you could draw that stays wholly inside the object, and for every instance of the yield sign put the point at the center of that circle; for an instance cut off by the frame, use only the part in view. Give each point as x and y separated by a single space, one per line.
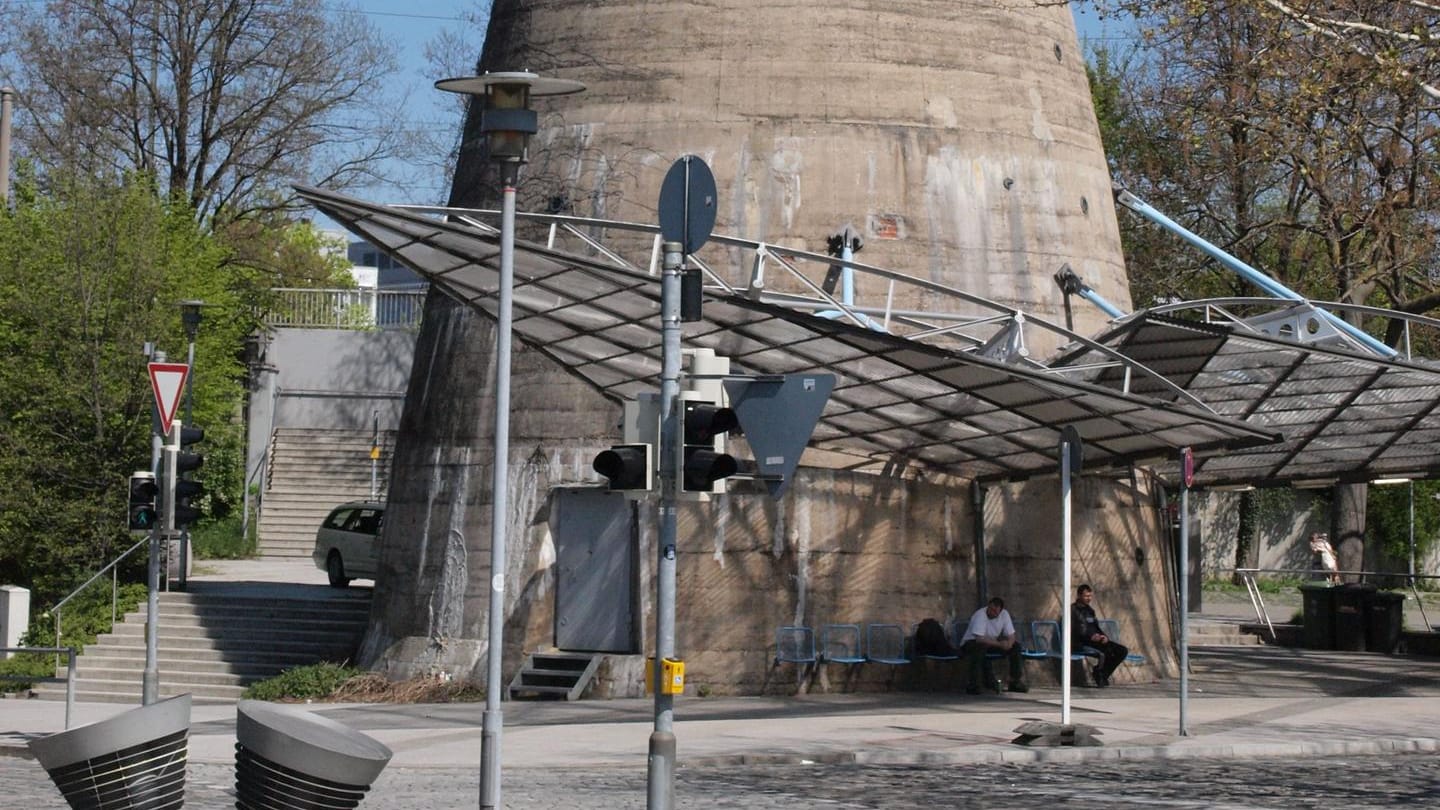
168 380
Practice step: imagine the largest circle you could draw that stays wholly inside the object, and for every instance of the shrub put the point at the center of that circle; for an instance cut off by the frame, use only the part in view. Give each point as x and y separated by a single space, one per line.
303 683
222 540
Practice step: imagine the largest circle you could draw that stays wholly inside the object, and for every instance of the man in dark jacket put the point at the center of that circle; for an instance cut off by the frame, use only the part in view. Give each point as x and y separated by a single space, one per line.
1085 632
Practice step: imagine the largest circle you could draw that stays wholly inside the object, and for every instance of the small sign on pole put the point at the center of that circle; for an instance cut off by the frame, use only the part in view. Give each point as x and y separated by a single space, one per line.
167 380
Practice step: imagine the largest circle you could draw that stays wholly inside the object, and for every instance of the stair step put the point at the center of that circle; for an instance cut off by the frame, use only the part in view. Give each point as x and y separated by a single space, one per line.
129 691
543 690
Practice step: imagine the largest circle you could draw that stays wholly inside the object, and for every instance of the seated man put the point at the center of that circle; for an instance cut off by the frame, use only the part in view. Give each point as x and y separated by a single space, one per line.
1085 632
990 630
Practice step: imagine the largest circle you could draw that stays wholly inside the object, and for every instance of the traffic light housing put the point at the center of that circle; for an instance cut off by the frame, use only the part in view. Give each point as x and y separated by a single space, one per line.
630 467
143 510
182 462
703 461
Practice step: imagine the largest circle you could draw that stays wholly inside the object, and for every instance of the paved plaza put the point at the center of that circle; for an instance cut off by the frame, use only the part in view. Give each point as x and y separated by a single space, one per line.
1268 727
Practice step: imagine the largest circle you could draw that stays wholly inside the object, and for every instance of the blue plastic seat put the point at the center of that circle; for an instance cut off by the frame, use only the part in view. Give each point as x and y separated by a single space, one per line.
1025 637
841 644
794 644
1111 629
1046 637
885 644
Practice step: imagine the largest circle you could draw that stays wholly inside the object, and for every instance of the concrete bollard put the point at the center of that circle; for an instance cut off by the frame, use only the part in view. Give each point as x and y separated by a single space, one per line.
132 761
286 757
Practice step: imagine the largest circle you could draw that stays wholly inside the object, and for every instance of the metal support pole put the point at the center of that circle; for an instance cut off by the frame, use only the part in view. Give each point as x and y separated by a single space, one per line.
1412 530
7 96
660 769
150 676
1184 608
982 575
1066 612
494 720
69 685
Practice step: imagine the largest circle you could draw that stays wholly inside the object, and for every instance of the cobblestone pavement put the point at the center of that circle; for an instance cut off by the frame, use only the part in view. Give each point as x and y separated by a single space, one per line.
1350 783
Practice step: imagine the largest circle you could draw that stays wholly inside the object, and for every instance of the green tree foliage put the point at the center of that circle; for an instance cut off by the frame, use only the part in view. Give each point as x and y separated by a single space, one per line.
1387 515
93 271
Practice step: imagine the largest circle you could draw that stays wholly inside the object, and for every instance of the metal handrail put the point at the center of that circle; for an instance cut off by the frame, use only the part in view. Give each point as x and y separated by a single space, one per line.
114 586
69 673
1257 600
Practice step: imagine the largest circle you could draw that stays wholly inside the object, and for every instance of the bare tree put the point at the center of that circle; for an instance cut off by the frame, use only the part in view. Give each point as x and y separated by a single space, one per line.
1302 136
223 102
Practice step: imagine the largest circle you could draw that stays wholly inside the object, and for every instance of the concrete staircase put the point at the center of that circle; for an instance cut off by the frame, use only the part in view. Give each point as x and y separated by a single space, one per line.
554 676
213 645
311 472
1218 633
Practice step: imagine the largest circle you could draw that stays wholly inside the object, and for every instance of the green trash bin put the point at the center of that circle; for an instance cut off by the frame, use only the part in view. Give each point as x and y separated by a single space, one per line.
1318 632
1350 601
1384 614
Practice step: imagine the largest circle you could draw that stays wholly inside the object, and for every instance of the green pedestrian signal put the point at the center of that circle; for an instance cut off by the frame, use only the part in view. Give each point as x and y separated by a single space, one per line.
142 510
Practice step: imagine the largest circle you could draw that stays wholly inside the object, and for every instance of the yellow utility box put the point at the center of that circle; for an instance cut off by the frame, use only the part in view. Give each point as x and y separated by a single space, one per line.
672 676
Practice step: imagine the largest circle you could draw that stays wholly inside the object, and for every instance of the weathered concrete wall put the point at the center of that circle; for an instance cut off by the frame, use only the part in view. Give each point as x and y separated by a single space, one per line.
839 548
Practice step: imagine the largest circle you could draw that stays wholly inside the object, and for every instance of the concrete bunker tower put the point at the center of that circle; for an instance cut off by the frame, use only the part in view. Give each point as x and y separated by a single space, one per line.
956 136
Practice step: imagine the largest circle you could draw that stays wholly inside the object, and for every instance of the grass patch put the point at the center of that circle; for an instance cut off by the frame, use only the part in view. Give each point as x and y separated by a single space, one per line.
1271 585
310 682
223 540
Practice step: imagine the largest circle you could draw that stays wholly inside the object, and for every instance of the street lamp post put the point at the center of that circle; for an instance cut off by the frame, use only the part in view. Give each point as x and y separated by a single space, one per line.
507 122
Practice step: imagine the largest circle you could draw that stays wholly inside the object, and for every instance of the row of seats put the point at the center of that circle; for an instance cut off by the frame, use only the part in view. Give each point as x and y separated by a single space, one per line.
882 643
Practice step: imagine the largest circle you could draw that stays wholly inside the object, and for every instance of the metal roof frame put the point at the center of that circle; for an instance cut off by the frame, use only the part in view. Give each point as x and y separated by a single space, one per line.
1346 414
926 394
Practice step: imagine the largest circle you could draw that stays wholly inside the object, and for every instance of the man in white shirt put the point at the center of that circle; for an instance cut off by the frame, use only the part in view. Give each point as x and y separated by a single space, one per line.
990 630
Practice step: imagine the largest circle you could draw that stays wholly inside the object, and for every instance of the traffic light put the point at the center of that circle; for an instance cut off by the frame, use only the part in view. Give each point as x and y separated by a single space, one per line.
183 512
703 460
143 512
630 467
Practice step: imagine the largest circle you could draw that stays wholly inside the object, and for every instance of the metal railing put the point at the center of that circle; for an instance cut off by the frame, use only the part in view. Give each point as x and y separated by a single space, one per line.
346 309
69 673
114 585
1257 600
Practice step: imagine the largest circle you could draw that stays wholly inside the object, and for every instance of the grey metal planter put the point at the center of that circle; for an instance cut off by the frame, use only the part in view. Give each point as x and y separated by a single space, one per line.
289 759
132 761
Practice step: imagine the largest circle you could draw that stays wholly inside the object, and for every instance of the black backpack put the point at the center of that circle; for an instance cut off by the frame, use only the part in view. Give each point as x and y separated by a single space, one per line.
930 639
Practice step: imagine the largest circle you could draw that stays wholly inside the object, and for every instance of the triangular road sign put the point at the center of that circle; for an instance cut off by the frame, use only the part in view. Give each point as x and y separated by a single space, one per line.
167 380
778 417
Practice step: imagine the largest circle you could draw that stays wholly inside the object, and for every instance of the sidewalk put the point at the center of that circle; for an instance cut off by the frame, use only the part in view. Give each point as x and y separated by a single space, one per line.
1244 702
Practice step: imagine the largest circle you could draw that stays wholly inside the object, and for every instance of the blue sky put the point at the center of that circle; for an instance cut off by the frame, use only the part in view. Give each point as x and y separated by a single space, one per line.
410 24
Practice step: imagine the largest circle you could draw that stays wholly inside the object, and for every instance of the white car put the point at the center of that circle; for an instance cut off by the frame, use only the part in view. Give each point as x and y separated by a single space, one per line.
347 544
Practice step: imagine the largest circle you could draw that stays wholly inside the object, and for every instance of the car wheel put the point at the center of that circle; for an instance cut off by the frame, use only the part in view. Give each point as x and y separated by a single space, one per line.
335 568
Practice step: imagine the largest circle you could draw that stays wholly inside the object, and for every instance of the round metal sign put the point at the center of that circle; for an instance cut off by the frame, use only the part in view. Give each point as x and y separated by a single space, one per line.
687 203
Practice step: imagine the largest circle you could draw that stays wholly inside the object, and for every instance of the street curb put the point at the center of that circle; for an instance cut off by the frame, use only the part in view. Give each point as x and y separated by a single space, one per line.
1008 754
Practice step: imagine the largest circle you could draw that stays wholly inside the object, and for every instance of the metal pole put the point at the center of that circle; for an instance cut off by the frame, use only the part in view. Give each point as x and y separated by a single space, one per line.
494 719
150 676
69 685
1412 531
1065 615
7 96
374 454
1184 608
660 773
